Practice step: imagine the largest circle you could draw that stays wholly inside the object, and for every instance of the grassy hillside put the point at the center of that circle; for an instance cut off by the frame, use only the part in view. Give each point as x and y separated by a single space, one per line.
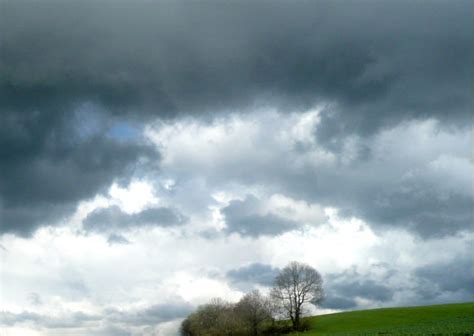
450 319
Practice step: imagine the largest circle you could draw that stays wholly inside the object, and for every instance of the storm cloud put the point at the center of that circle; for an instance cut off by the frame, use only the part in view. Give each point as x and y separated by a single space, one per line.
157 154
132 62
48 183
172 56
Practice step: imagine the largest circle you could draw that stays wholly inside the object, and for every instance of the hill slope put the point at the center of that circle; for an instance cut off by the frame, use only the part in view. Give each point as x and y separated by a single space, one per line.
449 319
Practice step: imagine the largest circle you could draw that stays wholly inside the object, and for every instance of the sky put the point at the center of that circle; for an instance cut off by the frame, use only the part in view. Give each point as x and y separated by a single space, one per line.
157 154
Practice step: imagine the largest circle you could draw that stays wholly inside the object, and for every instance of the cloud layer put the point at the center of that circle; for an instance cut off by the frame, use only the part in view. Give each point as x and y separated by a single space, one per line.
154 155
65 87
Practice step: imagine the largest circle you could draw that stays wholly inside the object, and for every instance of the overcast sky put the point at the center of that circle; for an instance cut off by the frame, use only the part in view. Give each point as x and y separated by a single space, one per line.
154 155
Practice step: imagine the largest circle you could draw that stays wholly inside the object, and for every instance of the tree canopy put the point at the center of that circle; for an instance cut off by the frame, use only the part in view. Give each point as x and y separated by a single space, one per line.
296 285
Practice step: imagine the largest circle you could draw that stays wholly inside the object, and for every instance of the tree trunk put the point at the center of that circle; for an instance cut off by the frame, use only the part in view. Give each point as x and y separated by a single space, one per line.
296 325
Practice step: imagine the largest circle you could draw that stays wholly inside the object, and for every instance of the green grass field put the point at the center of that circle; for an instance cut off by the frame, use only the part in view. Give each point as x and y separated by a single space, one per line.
449 319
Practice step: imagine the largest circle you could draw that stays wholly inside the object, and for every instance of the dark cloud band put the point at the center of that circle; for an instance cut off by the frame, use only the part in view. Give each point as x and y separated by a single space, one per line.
375 64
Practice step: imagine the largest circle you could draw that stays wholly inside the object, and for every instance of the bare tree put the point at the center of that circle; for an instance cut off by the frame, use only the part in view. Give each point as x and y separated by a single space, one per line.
253 309
295 285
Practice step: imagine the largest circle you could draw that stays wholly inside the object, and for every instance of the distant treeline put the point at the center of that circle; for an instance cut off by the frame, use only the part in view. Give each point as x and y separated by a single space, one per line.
295 285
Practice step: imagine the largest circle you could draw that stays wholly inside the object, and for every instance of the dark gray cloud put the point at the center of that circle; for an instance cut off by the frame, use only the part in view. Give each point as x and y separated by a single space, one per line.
73 71
417 206
420 210
435 280
176 56
368 289
44 178
389 199
113 220
253 274
344 288
245 218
